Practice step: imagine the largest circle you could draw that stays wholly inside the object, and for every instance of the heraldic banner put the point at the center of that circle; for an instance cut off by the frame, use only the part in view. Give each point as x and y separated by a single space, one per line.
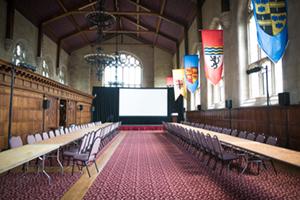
212 44
178 80
271 25
191 72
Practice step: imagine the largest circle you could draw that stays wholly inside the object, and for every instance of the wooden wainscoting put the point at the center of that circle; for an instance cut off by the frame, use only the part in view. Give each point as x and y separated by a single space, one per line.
282 122
29 92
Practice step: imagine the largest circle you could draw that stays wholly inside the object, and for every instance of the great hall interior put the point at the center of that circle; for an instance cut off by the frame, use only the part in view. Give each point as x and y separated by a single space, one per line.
149 99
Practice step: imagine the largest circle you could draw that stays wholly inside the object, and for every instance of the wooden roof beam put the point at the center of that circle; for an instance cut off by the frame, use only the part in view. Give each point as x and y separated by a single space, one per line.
107 32
158 15
145 27
77 12
162 8
80 8
72 20
138 17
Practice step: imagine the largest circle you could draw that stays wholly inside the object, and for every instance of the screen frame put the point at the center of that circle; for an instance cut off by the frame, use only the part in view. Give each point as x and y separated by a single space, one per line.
146 116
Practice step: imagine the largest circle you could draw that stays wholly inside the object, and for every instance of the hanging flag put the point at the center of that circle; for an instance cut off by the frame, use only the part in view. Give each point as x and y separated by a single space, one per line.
271 25
212 44
191 72
178 81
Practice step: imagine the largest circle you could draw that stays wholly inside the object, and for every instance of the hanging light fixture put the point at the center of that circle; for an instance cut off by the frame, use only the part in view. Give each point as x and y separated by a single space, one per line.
101 19
117 62
99 60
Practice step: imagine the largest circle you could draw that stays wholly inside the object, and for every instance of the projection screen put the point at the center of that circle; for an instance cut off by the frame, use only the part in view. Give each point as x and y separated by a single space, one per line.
143 102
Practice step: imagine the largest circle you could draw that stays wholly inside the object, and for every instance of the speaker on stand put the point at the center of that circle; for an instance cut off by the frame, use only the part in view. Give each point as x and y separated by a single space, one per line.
228 105
284 101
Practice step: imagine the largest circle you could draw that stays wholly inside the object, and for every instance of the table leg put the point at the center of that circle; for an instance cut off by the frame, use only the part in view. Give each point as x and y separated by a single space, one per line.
43 169
60 164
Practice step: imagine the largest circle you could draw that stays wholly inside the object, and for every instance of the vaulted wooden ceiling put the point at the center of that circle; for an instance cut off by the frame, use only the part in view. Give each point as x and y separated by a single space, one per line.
157 22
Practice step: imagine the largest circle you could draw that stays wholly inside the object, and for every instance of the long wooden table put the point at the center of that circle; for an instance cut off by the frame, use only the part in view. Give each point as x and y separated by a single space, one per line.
66 139
278 153
15 157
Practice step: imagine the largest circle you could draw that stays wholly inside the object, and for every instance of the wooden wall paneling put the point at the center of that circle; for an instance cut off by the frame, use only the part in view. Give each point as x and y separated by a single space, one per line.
71 112
28 114
50 114
255 119
83 116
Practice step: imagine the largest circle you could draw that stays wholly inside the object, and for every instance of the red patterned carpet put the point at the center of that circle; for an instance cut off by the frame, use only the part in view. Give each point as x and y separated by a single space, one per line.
150 166
35 186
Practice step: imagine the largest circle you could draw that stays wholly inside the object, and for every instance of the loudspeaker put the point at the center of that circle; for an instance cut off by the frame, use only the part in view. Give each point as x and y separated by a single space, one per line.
284 98
228 103
198 107
46 104
80 107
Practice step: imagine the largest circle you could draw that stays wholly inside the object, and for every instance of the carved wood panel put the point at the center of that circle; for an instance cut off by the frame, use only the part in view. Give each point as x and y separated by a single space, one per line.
28 114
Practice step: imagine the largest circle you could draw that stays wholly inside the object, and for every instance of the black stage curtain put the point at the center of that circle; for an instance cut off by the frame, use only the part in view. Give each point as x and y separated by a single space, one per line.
106 104
106 107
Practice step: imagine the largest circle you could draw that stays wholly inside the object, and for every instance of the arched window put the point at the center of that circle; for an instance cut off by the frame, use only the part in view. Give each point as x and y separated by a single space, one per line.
62 76
256 57
19 54
45 69
128 72
216 93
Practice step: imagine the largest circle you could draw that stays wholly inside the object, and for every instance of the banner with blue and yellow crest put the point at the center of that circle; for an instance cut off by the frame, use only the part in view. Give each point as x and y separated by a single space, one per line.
271 25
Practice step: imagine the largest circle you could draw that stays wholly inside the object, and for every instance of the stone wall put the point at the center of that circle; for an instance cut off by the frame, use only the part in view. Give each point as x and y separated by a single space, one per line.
235 51
156 63
27 34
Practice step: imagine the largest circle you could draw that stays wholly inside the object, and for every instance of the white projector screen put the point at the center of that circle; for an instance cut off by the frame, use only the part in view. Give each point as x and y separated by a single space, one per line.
143 102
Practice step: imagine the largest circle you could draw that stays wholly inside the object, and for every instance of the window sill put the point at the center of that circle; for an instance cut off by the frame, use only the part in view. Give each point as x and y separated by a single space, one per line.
260 101
217 105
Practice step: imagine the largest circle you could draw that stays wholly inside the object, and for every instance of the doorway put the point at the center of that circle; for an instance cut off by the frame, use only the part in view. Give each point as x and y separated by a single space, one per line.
62 112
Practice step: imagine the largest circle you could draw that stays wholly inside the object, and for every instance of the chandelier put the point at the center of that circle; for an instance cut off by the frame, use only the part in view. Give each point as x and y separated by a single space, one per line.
102 21
118 60
99 18
99 60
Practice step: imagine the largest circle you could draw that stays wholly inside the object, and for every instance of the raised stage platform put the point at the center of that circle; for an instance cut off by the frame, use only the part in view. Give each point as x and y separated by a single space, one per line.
138 127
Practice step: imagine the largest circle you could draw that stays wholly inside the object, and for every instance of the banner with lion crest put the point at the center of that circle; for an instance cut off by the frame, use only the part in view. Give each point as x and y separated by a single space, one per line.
212 44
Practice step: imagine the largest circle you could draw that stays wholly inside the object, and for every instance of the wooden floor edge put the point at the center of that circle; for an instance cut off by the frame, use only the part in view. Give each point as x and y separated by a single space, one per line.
78 190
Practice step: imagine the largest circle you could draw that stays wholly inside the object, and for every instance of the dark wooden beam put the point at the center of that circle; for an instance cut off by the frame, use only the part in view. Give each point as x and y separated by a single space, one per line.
162 8
146 27
58 55
72 20
186 40
40 40
80 8
138 17
10 18
150 43
169 19
108 32
177 56
145 30
225 5
93 43
199 16
78 12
